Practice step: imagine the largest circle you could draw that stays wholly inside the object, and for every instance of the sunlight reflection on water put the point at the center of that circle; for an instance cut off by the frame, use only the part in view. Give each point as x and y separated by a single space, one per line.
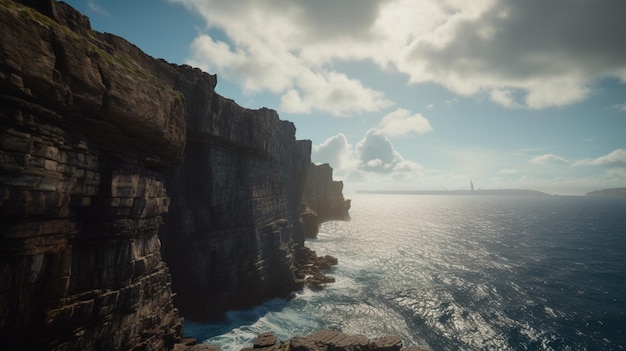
463 273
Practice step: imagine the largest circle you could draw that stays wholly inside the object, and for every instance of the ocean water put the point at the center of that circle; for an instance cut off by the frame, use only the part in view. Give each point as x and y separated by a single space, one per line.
460 273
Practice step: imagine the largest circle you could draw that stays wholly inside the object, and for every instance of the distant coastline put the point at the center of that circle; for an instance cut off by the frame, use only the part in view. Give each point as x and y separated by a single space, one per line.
608 192
508 192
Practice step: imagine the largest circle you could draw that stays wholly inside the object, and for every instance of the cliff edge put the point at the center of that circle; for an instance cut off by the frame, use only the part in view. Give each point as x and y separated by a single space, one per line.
130 190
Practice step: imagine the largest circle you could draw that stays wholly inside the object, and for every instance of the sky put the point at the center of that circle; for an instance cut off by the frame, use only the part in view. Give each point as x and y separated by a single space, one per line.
414 95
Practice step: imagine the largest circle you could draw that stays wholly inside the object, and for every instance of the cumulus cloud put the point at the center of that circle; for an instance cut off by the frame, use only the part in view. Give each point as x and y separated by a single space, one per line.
335 151
332 92
271 46
549 159
532 53
372 158
401 122
550 63
616 158
503 97
375 153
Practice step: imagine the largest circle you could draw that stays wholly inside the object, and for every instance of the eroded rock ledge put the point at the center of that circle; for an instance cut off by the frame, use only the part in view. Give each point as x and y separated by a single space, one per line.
321 340
130 190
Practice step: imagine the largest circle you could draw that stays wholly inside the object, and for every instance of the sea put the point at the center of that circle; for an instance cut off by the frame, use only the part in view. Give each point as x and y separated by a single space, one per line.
460 273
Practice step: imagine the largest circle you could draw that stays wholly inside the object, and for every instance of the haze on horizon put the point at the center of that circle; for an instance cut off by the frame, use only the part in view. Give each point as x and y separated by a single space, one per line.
415 95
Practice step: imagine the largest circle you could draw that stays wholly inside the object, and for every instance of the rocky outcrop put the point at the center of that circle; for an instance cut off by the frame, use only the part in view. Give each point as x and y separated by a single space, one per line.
310 268
331 340
324 199
125 180
321 340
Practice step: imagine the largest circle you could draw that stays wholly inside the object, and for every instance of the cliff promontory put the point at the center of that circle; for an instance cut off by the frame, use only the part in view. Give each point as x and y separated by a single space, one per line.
130 190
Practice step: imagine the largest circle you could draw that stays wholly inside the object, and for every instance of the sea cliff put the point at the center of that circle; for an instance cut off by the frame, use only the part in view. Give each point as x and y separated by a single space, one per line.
132 194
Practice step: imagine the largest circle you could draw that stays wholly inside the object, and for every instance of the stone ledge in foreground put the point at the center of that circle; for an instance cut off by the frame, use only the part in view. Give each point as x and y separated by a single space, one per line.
322 340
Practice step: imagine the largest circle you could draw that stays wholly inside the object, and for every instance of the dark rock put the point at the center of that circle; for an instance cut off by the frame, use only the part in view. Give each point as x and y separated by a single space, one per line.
196 347
324 195
188 341
113 163
387 343
331 260
300 343
265 340
309 267
331 340
311 224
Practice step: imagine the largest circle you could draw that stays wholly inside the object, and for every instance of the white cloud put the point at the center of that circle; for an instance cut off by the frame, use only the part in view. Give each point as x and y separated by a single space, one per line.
616 158
477 47
556 92
549 159
283 47
551 62
619 107
332 92
372 159
503 97
303 88
375 163
375 153
400 123
335 151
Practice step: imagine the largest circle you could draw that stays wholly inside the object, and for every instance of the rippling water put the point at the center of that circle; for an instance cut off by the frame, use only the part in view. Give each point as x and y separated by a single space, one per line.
461 273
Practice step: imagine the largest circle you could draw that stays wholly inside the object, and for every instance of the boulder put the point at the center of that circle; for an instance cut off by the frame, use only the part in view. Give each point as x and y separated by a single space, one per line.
265 340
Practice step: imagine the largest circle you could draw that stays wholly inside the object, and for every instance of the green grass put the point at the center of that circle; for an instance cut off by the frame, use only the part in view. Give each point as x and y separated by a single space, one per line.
119 61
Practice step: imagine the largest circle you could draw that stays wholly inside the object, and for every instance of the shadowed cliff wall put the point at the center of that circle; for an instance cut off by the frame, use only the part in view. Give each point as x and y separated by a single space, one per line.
234 220
113 164
81 188
324 195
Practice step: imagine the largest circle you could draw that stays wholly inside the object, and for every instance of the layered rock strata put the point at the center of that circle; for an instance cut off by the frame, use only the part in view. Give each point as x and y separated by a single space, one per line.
331 340
321 340
113 164
324 199
234 220
310 268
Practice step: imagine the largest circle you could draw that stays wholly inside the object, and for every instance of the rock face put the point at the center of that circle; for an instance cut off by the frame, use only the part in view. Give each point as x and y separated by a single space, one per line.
234 219
324 198
321 340
331 340
124 180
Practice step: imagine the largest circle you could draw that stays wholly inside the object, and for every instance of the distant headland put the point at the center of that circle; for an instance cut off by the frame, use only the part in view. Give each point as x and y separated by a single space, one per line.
507 192
608 192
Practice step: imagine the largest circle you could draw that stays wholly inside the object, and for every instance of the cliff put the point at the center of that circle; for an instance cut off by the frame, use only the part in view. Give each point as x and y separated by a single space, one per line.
126 181
326 195
324 199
